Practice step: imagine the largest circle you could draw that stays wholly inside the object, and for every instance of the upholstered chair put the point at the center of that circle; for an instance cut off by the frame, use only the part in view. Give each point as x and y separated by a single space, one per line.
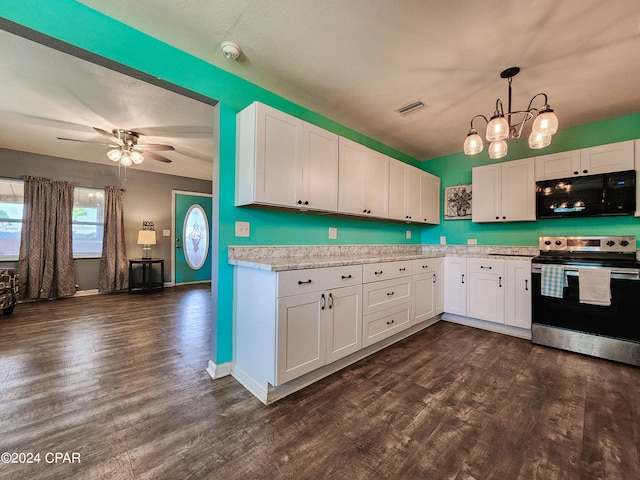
8 289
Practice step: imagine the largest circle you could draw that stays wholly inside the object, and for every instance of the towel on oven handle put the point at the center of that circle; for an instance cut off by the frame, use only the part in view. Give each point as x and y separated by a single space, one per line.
553 281
594 286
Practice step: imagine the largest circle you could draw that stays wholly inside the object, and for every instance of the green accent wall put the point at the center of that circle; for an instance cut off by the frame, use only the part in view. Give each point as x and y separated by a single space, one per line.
456 169
78 25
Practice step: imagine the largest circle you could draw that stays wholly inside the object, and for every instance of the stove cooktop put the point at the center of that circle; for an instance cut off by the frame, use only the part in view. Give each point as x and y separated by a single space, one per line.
604 260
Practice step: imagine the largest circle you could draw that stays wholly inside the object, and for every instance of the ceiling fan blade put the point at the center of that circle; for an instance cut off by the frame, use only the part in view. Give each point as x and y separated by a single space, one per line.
197 156
155 156
176 131
88 141
105 133
152 146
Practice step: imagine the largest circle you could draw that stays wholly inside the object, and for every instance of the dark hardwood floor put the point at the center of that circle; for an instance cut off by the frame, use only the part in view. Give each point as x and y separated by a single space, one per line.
121 381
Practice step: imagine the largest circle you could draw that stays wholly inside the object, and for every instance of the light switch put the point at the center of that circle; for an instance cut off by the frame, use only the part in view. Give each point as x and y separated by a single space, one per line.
333 233
166 233
243 229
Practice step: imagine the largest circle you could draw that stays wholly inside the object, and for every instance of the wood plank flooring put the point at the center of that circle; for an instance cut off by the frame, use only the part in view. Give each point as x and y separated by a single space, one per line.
120 380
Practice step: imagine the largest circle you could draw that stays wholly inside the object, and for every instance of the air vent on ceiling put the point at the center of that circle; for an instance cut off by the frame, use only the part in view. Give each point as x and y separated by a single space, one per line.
410 107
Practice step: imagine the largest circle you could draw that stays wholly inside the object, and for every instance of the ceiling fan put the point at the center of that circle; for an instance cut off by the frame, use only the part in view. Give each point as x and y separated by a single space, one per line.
125 147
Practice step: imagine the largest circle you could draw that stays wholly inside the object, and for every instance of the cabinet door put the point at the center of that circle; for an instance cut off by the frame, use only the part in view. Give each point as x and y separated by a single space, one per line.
278 156
424 296
319 169
397 190
429 198
486 297
375 183
439 283
455 285
350 181
413 192
518 294
487 193
301 335
614 157
558 165
518 191
344 322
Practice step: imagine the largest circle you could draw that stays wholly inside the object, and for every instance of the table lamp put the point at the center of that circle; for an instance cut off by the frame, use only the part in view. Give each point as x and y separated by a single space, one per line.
146 238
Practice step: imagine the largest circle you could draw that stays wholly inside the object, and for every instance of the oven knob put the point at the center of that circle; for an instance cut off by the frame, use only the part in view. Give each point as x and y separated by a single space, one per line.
624 243
558 242
547 242
610 243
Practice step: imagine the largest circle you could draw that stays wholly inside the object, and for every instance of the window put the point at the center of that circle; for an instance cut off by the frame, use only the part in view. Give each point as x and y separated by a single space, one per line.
87 224
11 203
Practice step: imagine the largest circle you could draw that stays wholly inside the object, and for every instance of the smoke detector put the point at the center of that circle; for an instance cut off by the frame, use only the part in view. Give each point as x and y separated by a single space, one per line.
231 50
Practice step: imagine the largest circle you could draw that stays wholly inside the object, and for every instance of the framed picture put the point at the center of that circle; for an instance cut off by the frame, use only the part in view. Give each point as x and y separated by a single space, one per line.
457 202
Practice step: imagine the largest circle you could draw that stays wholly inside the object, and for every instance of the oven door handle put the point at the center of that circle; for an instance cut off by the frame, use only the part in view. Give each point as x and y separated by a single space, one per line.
632 274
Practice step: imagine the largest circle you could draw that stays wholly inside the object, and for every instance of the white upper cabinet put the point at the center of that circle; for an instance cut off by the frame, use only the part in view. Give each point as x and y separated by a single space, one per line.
613 157
363 186
284 161
504 192
404 192
429 198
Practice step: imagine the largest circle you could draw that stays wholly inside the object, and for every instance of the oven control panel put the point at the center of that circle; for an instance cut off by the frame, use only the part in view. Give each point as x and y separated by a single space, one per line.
623 244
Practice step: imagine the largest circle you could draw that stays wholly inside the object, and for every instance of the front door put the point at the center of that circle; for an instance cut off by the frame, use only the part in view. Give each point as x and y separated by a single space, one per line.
192 232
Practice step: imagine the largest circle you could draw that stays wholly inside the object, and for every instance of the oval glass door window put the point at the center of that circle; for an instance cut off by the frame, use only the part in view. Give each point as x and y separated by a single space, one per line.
195 234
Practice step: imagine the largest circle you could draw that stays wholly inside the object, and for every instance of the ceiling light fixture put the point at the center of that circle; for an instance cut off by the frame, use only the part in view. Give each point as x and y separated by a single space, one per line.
501 129
124 153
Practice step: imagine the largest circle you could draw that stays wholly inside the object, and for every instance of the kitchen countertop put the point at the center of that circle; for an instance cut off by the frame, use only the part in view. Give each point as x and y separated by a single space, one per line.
278 259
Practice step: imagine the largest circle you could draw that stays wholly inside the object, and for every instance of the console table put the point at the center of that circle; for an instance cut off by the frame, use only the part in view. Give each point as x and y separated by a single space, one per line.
147 285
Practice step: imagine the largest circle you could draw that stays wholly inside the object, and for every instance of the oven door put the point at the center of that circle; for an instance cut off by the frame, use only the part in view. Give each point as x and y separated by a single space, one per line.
604 331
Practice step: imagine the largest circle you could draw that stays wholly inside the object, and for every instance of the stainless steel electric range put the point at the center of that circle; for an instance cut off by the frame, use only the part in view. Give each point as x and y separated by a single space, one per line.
565 319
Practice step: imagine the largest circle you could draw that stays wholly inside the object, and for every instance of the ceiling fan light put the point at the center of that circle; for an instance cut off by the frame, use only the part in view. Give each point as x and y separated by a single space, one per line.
497 129
538 140
137 157
126 159
546 123
114 155
473 143
498 149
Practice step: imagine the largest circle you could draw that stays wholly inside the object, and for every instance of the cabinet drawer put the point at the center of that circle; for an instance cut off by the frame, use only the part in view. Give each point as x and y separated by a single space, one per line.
294 282
373 272
486 265
423 265
385 323
381 295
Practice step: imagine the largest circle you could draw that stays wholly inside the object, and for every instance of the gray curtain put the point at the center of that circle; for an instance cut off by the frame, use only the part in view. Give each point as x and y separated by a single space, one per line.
45 264
114 265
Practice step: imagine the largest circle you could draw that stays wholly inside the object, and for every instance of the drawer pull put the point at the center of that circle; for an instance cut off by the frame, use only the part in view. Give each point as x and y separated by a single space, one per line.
500 282
434 278
488 268
300 282
324 302
378 273
390 322
331 298
425 266
390 293
346 277
402 269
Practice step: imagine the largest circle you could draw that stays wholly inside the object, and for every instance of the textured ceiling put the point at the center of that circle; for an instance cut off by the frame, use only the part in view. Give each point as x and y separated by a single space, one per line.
355 61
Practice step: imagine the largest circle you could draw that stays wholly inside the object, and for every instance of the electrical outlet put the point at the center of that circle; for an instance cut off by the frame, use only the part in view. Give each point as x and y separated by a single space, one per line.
408 234
443 240
243 229
472 241
333 233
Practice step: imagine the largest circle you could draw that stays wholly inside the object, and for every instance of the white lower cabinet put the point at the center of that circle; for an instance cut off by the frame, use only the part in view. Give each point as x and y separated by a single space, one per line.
428 289
455 285
486 289
518 294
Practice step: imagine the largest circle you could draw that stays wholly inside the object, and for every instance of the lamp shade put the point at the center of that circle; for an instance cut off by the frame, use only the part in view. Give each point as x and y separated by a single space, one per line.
498 149
146 237
473 143
537 140
546 123
497 129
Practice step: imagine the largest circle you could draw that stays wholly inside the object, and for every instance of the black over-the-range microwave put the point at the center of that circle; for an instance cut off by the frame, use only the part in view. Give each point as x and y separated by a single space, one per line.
603 194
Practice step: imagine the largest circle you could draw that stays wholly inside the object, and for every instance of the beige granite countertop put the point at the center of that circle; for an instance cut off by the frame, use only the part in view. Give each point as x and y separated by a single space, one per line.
283 258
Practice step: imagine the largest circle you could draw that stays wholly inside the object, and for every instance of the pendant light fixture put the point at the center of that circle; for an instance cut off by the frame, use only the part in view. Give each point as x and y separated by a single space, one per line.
506 126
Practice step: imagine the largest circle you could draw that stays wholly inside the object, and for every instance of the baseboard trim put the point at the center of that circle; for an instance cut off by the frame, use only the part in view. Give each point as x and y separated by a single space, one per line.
217 371
267 393
490 326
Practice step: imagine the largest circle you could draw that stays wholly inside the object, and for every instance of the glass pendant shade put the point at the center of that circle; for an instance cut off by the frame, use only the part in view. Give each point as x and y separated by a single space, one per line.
473 143
546 123
126 159
114 154
497 129
137 157
498 149
538 140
